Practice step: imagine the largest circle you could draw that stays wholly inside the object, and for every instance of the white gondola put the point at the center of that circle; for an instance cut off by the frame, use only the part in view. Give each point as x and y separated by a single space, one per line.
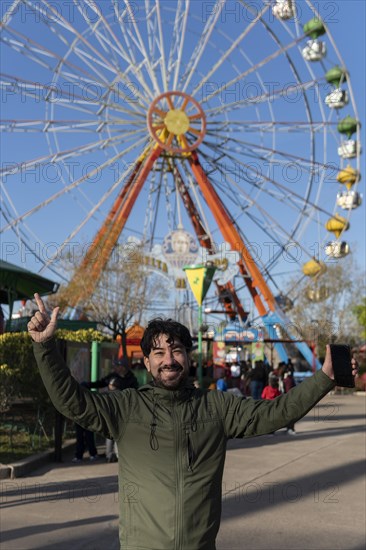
337 249
283 9
315 50
337 99
349 149
348 200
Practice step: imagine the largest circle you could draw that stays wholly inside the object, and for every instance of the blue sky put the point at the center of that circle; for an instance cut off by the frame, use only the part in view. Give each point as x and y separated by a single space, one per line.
56 222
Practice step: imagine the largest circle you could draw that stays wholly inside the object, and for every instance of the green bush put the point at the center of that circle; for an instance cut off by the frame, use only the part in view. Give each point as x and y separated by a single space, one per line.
83 335
19 376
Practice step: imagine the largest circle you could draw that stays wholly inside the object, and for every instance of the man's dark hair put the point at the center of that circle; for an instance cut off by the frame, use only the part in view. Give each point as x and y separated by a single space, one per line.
173 329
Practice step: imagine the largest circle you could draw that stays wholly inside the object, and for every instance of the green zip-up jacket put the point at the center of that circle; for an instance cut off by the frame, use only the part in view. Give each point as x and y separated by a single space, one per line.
171 447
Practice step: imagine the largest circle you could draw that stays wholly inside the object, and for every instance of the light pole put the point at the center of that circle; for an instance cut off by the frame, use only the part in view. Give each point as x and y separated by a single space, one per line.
314 341
199 278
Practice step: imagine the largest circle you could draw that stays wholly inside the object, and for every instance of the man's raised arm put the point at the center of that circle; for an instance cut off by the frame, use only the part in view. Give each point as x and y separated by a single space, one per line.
102 413
248 417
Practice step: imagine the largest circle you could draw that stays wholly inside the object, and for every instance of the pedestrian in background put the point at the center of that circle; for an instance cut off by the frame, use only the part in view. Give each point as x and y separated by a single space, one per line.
121 372
271 391
111 449
289 383
258 379
85 439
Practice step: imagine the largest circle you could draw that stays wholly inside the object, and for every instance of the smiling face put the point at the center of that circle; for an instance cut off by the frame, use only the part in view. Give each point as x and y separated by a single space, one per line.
168 362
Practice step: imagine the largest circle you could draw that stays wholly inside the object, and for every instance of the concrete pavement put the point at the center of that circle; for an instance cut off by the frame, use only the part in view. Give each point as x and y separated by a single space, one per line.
304 492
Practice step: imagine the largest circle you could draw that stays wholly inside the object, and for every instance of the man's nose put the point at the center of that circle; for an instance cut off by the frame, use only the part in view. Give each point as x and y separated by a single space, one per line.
169 357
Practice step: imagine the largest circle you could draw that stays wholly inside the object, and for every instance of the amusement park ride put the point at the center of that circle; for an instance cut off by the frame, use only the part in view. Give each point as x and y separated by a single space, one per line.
199 137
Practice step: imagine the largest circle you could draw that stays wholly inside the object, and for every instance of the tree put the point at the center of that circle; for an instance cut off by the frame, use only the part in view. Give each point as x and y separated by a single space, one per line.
359 311
124 292
335 318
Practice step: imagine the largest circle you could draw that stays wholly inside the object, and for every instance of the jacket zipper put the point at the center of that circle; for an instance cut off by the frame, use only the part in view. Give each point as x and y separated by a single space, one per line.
190 453
179 470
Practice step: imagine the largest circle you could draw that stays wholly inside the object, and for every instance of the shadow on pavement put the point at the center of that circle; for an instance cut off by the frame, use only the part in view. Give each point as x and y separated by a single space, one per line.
323 486
19 492
46 528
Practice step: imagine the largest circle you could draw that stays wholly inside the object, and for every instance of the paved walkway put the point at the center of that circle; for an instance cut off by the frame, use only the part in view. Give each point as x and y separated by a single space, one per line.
280 492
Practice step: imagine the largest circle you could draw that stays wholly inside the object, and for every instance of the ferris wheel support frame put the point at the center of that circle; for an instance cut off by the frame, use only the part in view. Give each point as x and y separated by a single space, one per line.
85 280
205 242
251 274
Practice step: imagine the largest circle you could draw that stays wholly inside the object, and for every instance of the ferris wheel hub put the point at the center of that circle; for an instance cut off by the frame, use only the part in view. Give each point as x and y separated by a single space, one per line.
177 122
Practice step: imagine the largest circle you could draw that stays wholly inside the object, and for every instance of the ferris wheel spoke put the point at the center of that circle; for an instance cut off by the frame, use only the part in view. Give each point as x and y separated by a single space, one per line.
266 216
87 218
20 230
128 52
114 45
27 49
160 112
230 193
308 110
140 43
62 22
48 93
241 77
228 190
65 126
11 9
251 147
94 26
163 66
289 193
61 156
67 158
268 125
170 102
272 95
275 255
74 184
251 153
233 46
200 48
178 40
79 76
38 256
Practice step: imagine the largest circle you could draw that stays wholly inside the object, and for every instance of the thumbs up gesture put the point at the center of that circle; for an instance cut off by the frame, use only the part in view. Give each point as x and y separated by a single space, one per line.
42 327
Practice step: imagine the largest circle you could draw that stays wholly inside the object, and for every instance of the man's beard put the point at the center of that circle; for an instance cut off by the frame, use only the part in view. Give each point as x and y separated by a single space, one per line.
177 381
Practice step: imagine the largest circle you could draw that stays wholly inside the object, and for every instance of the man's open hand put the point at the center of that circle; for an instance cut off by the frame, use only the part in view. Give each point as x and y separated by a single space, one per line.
42 327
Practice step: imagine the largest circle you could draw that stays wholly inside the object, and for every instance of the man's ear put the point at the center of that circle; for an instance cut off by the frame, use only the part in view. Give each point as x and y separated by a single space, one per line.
147 363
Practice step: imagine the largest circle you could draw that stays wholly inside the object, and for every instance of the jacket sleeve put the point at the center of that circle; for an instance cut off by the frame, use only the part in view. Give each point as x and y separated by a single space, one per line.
249 417
102 413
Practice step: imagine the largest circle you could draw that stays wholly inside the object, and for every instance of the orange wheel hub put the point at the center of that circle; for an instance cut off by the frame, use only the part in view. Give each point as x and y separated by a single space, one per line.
177 122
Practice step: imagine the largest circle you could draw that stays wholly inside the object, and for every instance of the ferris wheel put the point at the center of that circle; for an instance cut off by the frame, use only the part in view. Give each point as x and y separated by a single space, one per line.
231 122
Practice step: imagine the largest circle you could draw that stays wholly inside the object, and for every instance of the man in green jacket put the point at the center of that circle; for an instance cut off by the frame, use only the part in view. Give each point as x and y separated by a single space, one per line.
171 436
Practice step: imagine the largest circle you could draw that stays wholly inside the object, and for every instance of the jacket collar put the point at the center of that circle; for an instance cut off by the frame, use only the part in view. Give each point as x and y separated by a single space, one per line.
170 396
